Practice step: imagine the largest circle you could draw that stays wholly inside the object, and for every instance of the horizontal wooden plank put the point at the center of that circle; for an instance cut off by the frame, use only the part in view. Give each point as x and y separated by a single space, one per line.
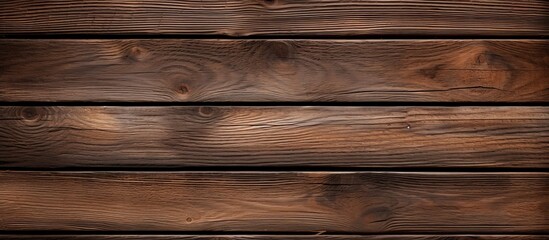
277 237
277 17
175 70
366 202
74 136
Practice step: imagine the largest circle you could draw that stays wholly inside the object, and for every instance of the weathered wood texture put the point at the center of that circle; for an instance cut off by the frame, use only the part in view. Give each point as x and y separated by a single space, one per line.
274 136
373 202
277 17
274 70
276 237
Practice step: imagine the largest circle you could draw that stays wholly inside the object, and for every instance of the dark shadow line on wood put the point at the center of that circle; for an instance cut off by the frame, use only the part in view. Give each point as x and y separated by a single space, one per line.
267 233
280 104
277 169
49 35
255 233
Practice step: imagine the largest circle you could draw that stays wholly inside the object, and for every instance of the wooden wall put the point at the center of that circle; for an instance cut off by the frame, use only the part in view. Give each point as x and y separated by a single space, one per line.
274 119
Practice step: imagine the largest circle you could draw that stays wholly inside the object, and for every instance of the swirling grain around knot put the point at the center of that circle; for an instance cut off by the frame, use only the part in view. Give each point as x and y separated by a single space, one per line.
120 137
352 202
187 70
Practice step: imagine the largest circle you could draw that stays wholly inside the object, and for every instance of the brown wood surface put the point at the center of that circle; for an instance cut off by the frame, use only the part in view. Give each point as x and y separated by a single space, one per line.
277 17
75 136
276 237
369 202
176 70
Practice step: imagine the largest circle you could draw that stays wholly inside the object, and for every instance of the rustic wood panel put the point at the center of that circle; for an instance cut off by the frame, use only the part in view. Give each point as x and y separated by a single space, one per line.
274 136
277 17
277 237
274 70
372 202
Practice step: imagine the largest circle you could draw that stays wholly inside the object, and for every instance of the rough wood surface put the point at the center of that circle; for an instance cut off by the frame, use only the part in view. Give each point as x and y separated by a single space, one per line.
277 17
274 70
372 202
276 237
274 136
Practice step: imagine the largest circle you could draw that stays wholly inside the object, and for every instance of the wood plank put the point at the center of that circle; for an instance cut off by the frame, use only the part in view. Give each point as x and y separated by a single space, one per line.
185 136
175 70
276 237
277 17
366 202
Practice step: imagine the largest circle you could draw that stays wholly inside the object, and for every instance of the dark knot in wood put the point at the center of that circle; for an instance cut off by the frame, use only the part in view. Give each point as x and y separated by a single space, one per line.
135 54
279 50
183 89
206 111
30 113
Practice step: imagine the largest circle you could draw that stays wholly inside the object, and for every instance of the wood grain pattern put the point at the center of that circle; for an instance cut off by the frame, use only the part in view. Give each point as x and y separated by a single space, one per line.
276 237
369 202
277 17
172 70
126 136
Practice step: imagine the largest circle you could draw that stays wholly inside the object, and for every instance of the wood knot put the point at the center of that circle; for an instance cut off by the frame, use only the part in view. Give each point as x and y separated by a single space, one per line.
269 2
206 111
432 72
497 61
183 89
30 114
279 50
135 54
491 60
189 219
481 58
